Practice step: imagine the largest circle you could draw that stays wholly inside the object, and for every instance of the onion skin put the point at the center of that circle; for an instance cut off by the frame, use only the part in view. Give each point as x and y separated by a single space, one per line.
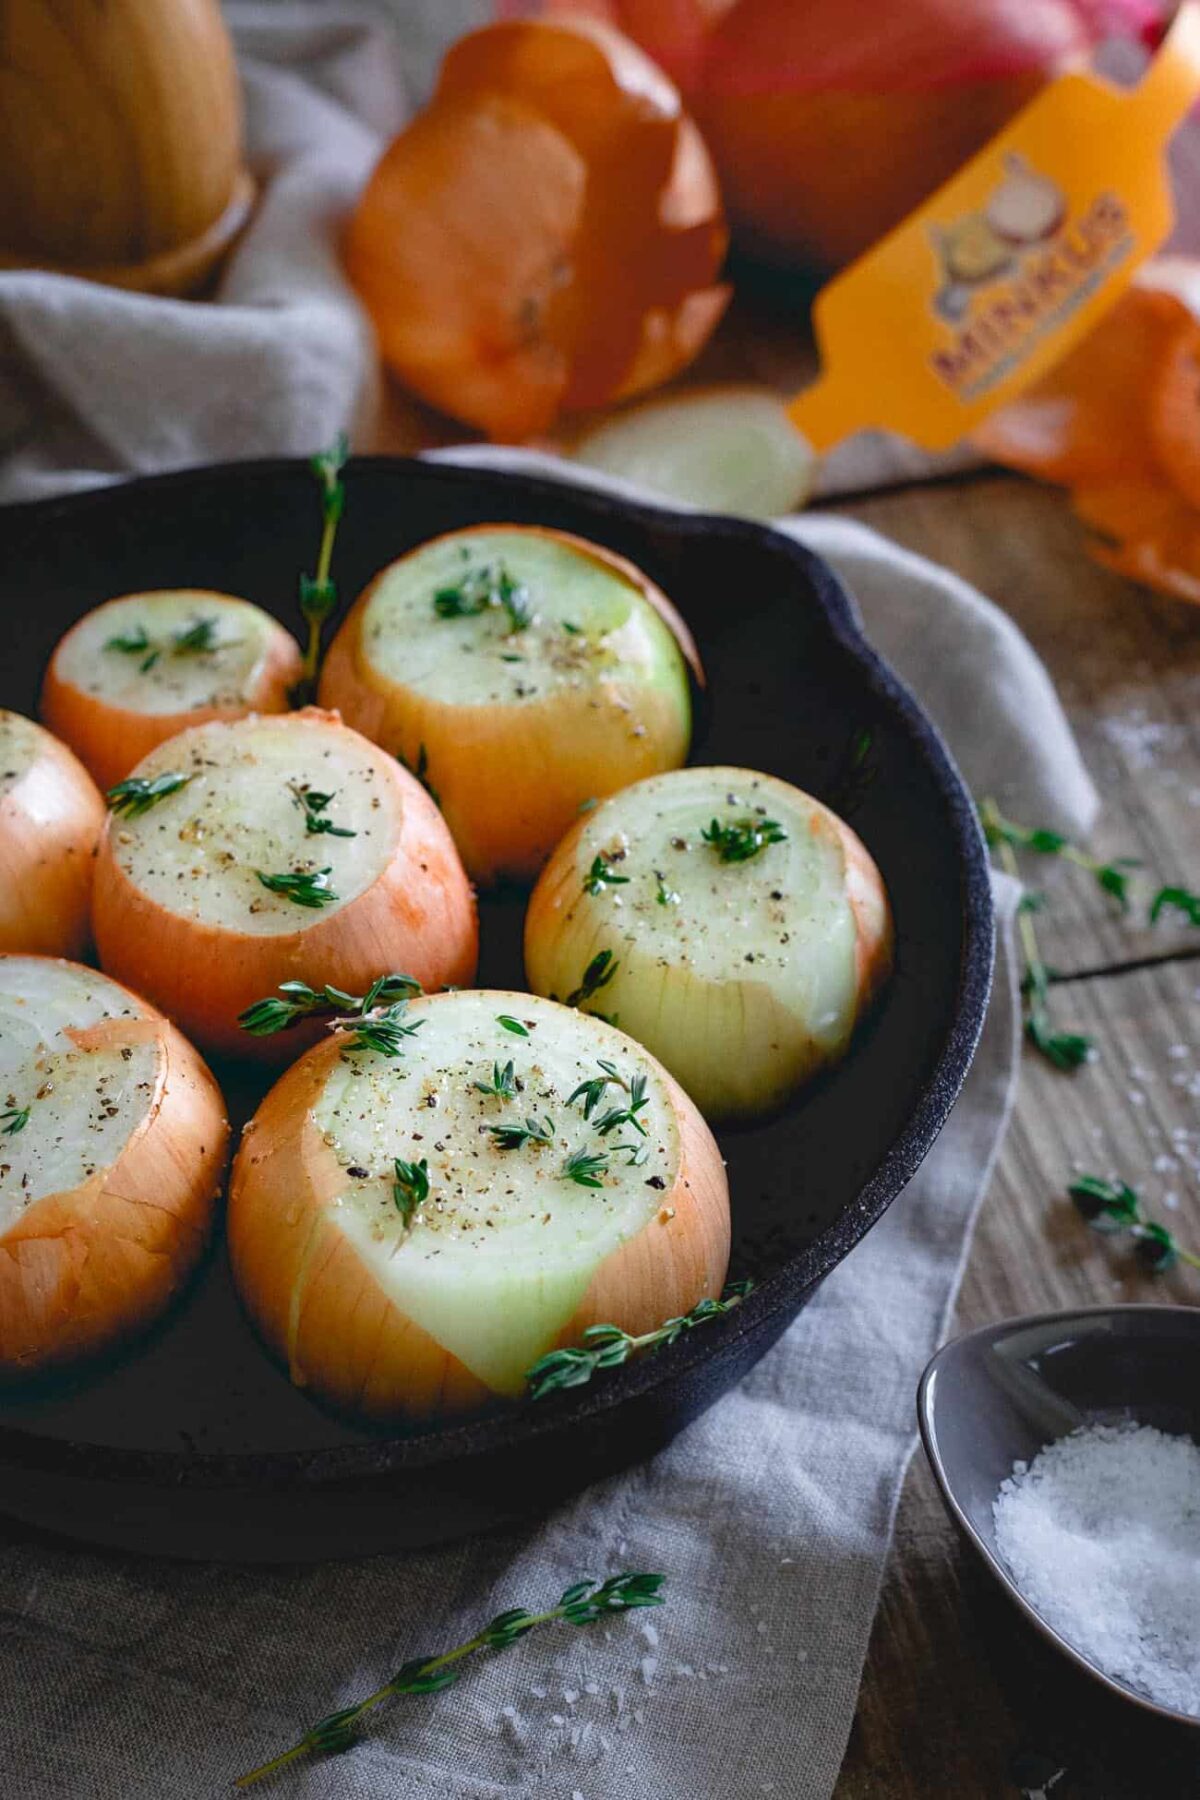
511 779
51 818
417 917
83 1271
547 233
731 1089
320 1309
111 740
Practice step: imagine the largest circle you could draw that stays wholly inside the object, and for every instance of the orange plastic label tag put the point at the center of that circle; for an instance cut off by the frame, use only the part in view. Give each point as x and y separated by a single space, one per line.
992 280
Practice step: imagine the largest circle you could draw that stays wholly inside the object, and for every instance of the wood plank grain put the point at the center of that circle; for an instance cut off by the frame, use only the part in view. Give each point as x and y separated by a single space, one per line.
1127 666
956 1683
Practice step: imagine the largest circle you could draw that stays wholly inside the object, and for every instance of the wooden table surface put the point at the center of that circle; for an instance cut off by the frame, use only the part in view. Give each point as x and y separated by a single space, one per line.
957 1688
960 1700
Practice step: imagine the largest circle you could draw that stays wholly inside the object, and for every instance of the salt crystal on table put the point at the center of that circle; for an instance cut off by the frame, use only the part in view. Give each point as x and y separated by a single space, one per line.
1101 1534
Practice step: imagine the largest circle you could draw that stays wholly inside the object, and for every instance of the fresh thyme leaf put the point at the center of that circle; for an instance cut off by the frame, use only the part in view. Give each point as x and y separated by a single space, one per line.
14 1120
592 1092
137 794
600 876
1180 900
1112 877
411 1186
856 774
666 896
737 840
1113 1206
514 1137
1066 1050
503 1084
586 1168
300 1001
607 1346
582 1603
511 1024
303 887
313 806
489 586
379 1028
130 643
626 1115
318 594
197 640
597 975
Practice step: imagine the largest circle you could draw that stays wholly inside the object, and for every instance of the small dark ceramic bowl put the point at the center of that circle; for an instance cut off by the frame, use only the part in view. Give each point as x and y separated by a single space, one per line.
1001 1394
195 1443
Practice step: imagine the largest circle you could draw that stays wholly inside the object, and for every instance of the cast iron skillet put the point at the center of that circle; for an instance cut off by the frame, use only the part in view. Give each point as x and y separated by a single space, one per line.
194 1443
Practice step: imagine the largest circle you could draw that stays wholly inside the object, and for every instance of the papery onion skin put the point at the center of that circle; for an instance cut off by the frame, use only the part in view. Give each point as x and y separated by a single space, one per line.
733 1039
321 1310
51 818
111 740
83 1271
510 779
547 234
417 918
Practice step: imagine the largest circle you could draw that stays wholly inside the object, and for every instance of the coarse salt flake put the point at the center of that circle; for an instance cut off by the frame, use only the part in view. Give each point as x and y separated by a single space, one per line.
1101 1534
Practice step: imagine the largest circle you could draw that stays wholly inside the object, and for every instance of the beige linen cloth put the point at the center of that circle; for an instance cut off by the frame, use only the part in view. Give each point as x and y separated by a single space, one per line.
129 1680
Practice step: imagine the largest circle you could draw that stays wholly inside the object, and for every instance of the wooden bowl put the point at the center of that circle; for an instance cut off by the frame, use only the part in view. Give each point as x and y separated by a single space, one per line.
121 140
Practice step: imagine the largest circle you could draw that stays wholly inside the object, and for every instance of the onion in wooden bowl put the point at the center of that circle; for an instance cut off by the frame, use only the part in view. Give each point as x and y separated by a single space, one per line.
140 668
730 922
516 1216
523 672
274 849
112 1150
51 816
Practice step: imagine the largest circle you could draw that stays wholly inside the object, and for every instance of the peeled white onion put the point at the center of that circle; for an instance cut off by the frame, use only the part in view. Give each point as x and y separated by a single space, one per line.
743 977
51 816
515 717
723 449
113 1147
440 1307
182 912
137 669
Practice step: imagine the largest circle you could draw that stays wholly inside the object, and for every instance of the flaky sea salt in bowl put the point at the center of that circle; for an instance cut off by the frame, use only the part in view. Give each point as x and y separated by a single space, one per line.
1066 1448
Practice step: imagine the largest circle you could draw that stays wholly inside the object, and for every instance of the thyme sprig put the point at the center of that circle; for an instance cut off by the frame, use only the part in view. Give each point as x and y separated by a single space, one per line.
737 840
626 1115
1179 899
410 1189
602 875
596 976
1112 877
1064 1050
298 1001
514 1137
314 806
318 593
581 1604
199 639
14 1120
1113 1206
379 1028
586 1168
503 1085
134 796
304 887
607 1346
489 586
